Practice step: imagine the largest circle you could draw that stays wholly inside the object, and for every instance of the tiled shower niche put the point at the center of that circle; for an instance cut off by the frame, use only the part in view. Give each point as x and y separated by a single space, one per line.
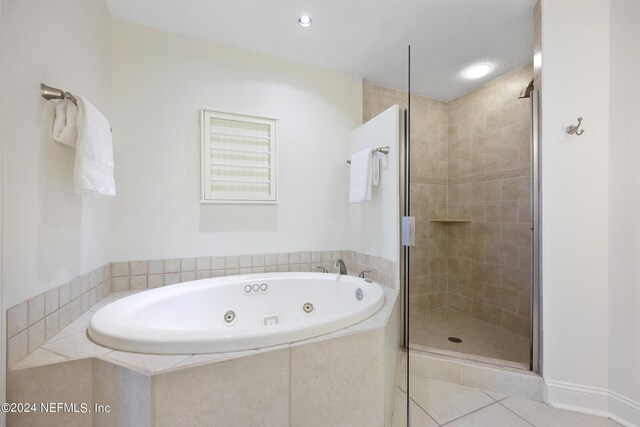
470 194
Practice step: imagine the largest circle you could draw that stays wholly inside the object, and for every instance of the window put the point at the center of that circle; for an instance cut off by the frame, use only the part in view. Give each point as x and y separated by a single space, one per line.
238 158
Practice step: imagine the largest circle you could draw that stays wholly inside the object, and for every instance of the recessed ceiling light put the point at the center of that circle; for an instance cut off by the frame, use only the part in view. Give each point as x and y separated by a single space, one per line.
304 21
478 70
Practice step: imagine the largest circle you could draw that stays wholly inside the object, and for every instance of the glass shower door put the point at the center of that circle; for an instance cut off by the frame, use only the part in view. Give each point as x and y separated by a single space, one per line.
470 169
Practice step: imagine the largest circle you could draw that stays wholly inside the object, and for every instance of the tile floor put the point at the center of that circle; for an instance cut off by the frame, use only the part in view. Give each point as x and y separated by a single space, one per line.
431 329
439 403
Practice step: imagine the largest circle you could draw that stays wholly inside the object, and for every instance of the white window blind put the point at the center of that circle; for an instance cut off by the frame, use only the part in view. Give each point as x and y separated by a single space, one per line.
238 158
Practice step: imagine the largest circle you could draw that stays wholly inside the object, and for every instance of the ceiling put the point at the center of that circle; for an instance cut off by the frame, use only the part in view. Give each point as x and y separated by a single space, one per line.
367 38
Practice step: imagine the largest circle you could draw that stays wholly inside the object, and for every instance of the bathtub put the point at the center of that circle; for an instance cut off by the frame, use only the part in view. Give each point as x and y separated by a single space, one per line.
235 313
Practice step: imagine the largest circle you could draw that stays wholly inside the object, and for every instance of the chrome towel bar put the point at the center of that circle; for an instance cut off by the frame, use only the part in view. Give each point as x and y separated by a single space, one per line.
49 92
383 150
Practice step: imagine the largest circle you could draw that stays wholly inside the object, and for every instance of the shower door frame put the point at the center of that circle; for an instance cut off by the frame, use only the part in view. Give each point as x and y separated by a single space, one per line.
535 363
404 160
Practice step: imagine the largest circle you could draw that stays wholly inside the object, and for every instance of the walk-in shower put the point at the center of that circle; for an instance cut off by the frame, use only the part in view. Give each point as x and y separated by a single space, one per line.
470 193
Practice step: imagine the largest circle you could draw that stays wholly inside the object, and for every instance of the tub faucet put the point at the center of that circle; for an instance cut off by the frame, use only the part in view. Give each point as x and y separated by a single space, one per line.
341 265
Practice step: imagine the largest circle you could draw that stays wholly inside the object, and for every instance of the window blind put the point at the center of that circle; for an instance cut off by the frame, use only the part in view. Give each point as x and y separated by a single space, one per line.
238 158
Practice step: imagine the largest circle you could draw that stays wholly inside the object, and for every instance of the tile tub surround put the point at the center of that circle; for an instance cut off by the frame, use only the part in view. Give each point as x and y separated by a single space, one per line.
136 275
335 373
32 322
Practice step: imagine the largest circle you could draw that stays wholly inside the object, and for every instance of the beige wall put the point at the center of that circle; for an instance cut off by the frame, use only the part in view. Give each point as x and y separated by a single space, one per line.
428 177
489 184
470 160
428 190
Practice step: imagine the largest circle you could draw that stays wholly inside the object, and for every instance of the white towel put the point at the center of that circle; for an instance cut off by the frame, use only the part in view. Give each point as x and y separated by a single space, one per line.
375 168
365 172
94 152
65 125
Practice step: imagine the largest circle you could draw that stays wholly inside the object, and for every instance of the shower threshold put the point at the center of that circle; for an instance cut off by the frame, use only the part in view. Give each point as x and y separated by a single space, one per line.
461 356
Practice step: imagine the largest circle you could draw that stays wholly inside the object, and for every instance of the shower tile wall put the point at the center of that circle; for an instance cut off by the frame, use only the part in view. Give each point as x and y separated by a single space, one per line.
470 160
489 184
429 169
428 181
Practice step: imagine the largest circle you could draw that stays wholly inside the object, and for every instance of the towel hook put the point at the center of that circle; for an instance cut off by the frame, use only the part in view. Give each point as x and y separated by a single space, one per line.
574 130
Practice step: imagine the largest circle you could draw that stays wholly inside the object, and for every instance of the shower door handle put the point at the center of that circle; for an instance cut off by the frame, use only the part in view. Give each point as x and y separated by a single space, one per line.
408 231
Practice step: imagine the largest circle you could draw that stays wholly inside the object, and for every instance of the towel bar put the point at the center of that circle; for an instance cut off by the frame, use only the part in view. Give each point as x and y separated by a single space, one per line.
383 150
49 92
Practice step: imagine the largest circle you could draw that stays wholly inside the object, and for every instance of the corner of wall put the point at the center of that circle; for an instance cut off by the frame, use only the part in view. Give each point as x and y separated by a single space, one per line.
624 208
574 263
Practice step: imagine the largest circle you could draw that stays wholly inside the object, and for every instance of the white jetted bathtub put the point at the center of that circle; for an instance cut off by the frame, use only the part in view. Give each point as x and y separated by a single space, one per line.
235 312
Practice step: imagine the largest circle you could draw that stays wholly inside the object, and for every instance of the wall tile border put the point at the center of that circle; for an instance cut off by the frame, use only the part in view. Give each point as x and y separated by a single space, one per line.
514 173
427 180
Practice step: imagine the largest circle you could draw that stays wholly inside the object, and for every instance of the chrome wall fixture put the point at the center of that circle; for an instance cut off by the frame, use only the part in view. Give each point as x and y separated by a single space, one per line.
49 92
383 150
575 130
526 92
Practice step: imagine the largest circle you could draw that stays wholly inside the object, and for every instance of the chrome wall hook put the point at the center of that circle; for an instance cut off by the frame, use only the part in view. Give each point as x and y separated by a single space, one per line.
574 130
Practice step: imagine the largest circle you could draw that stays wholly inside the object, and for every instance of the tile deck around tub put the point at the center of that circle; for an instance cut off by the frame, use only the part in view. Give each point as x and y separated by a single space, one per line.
72 343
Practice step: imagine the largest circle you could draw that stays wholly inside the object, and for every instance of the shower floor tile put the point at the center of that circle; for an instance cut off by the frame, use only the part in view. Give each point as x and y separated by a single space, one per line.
430 330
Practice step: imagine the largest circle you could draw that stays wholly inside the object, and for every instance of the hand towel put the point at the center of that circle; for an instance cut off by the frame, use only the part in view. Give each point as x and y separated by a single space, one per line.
65 123
363 170
94 152
375 168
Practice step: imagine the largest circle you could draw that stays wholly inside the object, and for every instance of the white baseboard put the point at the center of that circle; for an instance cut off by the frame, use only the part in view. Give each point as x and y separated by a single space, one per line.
624 410
574 397
593 400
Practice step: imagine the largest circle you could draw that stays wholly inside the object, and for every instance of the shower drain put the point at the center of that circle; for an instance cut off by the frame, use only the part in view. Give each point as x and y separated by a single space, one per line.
455 340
